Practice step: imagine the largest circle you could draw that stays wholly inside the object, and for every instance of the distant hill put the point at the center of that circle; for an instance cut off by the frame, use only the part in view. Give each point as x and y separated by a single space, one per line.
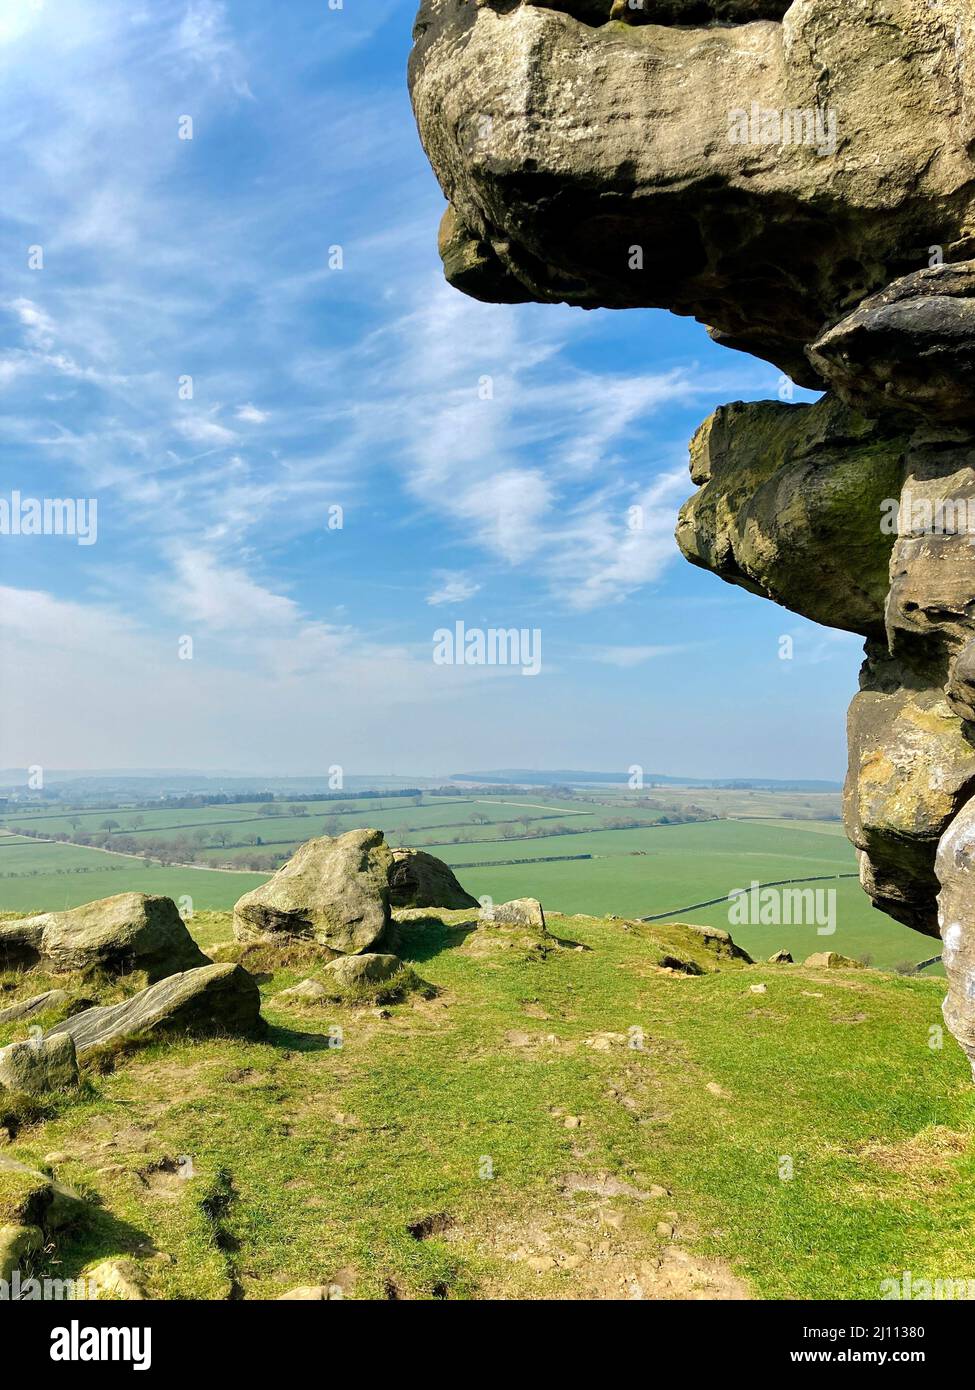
532 777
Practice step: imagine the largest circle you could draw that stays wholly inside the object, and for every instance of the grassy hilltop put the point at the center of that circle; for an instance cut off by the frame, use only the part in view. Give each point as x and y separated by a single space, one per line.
584 1118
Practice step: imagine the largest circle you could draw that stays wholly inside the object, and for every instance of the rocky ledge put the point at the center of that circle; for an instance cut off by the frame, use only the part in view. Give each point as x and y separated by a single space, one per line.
801 179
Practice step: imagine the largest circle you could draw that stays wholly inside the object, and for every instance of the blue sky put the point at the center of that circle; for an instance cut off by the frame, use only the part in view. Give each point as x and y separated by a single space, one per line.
316 387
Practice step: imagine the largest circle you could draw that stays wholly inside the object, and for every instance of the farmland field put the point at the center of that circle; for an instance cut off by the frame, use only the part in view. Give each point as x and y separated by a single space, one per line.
604 852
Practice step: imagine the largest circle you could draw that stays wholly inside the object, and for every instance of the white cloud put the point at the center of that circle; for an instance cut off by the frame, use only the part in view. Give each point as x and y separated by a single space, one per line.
453 587
203 429
223 598
251 415
38 326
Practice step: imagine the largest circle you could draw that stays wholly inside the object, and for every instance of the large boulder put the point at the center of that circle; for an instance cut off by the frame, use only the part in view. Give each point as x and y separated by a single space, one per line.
332 890
418 879
130 931
39 1064
215 999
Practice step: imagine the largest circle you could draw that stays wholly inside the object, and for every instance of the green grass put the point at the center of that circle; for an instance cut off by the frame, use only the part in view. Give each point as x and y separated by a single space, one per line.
312 1161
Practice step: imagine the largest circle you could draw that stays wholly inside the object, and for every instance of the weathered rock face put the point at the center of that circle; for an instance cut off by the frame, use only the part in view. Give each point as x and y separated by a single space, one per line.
221 999
606 164
131 931
39 1065
418 879
334 891
792 491
801 178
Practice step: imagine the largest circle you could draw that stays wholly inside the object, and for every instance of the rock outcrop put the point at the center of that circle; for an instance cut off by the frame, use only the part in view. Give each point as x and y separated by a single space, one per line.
418 879
130 931
216 999
332 890
801 179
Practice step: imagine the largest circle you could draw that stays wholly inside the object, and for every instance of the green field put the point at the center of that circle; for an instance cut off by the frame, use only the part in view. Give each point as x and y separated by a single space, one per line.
653 869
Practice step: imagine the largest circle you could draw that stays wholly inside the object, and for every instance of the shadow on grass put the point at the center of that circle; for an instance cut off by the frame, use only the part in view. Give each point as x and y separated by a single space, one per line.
290 1040
422 938
102 1236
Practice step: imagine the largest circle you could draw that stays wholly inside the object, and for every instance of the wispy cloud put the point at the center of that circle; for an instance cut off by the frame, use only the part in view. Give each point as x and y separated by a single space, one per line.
452 588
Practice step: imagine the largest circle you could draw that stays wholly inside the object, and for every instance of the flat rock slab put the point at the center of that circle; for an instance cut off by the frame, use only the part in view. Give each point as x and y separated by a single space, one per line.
37 1004
130 931
216 999
332 890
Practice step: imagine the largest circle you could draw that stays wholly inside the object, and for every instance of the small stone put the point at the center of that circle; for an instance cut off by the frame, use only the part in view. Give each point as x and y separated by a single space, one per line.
572 1121
38 1003
664 1230
306 1293
305 992
118 1278
832 960
758 989
781 958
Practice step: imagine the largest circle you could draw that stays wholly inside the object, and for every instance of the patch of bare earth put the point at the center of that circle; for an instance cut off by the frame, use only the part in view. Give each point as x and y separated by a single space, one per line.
594 1251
